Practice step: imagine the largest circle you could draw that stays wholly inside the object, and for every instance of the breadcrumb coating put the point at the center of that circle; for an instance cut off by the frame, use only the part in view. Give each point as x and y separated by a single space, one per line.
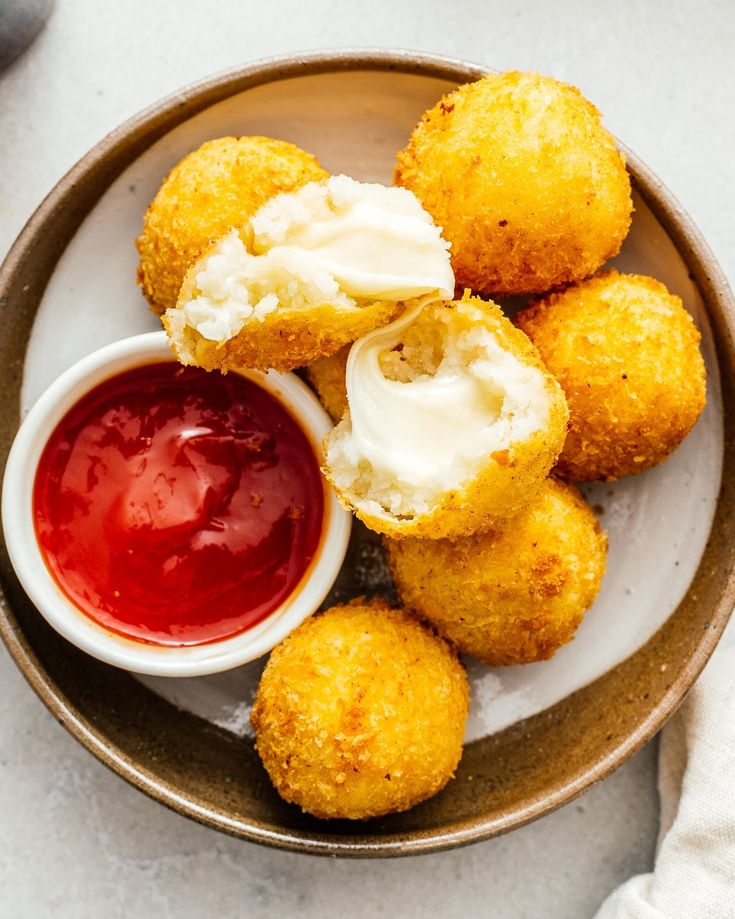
327 377
514 594
215 187
626 353
527 185
361 712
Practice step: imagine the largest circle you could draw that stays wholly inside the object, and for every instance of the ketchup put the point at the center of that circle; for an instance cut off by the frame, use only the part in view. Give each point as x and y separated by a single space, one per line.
178 507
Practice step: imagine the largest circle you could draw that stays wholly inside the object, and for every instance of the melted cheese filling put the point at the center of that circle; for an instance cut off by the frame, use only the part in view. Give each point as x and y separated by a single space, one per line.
415 433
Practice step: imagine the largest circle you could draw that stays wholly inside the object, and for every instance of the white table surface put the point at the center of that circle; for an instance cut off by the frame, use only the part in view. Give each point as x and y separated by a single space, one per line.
75 840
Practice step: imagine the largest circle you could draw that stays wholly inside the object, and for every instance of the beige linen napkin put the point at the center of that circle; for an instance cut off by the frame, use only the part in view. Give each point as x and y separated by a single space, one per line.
694 874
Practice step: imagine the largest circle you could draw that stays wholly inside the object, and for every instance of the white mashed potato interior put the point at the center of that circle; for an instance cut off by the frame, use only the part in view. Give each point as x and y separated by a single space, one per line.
431 399
339 242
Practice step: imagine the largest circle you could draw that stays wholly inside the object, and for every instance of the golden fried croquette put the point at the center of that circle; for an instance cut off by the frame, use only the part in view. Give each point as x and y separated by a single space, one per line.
527 185
453 423
626 353
283 339
215 187
311 271
514 594
327 377
360 712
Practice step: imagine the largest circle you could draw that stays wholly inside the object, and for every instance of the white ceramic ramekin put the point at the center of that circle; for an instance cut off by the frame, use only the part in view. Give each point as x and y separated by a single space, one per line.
64 616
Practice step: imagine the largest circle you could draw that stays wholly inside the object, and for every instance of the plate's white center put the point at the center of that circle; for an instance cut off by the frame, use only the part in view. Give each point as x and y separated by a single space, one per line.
657 522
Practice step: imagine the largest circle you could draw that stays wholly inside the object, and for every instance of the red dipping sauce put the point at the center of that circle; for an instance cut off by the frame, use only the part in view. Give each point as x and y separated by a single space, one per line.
178 507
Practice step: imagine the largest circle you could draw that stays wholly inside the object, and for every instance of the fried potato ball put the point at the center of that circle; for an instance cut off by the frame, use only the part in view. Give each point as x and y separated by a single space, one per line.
453 424
327 377
215 187
514 594
284 339
626 353
526 183
361 712
311 271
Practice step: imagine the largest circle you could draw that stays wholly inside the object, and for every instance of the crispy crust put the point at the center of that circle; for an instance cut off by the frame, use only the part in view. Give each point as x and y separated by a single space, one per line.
626 353
526 183
360 713
215 187
508 480
327 378
512 595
